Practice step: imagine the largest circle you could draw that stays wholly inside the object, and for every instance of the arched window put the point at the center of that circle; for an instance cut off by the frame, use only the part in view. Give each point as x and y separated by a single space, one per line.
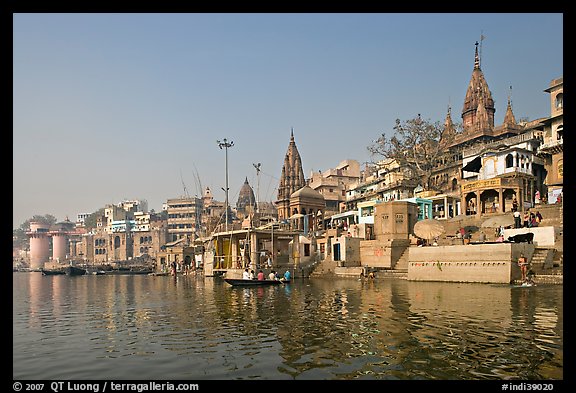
509 161
560 132
559 102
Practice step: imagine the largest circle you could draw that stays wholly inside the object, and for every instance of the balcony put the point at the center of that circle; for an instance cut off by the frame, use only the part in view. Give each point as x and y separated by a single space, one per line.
552 147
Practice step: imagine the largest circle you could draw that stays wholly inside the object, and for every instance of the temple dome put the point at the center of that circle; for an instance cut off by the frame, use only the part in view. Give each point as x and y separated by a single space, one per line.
245 197
307 192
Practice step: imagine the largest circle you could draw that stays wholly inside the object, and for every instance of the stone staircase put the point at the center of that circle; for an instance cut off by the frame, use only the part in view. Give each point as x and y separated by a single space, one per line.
542 260
323 268
402 264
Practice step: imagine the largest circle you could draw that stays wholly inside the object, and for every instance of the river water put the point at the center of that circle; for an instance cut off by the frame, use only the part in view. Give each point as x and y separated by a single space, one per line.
123 327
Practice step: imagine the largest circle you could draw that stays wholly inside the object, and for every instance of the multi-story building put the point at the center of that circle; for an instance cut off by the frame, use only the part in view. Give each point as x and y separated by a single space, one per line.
388 182
333 183
183 217
552 148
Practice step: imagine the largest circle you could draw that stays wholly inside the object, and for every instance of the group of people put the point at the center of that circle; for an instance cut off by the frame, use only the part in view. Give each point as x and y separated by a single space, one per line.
466 237
528 220
273 275
527 274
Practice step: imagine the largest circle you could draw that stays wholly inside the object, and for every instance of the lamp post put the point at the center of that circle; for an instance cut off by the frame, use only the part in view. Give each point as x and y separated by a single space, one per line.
226 145
257 166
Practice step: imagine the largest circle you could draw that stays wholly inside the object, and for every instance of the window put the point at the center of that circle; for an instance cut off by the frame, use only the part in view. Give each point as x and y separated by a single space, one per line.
509 161
559 102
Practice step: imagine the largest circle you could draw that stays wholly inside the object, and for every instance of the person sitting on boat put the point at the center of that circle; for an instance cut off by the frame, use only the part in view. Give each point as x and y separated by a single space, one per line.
287 275
272 275
252 275
276 276
245 275
261 275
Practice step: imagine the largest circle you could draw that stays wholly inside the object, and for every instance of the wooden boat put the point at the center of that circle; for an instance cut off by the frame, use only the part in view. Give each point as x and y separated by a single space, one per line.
52 272
244 282
74 271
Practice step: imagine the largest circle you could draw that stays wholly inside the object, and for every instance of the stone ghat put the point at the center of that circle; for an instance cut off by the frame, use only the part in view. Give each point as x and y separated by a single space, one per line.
484 263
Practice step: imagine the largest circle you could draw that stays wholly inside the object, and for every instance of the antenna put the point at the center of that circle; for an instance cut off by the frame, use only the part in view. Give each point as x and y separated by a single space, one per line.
183 185
257 166
481 39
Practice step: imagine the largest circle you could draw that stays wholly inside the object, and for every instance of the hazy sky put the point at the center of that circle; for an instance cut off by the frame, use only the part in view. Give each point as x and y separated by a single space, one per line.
115 106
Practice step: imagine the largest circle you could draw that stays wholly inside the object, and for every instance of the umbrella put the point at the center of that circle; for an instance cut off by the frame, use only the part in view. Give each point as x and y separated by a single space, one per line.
296 216
428 228
471 228
498 221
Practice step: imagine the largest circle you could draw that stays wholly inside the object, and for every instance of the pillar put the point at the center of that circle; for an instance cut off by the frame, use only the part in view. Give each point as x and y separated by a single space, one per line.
39 245
478 202
59 246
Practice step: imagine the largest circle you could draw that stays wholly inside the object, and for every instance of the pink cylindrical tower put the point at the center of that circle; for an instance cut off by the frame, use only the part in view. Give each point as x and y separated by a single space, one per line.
59 246
39 245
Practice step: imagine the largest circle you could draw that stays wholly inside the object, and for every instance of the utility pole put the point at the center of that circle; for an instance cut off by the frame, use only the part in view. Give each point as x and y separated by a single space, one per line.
226 145
257 166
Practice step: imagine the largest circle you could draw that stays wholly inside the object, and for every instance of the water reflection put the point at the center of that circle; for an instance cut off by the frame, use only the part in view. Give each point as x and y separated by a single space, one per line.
192 327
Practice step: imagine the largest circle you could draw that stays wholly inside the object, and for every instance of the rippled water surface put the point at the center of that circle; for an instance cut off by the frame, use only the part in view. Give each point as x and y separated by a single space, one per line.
144 327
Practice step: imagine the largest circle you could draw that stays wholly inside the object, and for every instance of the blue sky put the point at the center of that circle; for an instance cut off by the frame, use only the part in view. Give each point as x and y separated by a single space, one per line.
114 106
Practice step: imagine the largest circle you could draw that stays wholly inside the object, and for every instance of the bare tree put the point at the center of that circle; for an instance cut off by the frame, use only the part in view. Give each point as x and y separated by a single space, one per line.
415 145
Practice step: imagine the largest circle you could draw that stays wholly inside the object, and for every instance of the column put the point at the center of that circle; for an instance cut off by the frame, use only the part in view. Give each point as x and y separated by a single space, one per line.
254 257
478 202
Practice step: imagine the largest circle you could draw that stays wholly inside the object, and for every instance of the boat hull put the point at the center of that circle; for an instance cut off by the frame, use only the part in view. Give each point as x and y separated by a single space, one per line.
52 272
74 271
250 283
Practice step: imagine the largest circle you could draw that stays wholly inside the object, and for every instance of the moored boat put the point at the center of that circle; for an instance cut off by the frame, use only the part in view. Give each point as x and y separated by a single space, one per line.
74 271
52 272
244 282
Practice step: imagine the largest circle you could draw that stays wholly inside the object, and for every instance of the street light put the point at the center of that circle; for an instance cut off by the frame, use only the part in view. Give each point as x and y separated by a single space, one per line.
226 145
257 166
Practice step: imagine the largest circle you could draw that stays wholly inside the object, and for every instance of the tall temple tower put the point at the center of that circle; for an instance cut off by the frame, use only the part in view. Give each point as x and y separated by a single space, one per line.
291 180
478 110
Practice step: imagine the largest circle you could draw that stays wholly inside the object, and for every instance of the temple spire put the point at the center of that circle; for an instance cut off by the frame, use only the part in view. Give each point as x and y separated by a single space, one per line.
509 118
476 58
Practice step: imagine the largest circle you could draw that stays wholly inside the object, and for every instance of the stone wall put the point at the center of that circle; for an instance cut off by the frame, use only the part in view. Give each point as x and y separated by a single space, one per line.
543 236
382 254
486 263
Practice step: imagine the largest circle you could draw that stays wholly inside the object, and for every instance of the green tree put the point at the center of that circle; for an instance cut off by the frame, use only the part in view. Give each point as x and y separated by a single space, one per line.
90 221
19 237
415 145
